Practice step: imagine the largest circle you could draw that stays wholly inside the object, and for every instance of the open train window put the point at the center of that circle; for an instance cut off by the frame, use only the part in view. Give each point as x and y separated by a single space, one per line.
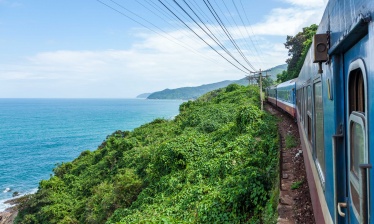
357 135
357 91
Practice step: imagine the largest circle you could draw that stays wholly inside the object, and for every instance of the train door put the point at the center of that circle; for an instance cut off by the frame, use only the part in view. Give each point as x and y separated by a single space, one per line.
356 149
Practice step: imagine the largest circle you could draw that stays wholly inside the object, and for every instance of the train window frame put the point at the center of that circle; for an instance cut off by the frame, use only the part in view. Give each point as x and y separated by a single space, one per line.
305 105
356 68
302 105
298 98
354 178
309 114
319 155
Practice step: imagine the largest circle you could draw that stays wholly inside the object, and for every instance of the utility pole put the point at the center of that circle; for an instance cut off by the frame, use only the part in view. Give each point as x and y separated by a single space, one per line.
251 79
258 74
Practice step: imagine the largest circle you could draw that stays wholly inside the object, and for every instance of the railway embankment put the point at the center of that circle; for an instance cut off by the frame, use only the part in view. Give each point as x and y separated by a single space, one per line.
294 204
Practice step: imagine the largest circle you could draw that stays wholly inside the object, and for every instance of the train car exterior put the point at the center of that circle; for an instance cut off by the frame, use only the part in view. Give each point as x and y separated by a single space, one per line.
334 112
271 94
286 96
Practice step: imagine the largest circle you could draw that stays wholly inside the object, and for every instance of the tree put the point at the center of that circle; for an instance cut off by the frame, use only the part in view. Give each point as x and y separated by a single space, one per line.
298 47
282 77
266 82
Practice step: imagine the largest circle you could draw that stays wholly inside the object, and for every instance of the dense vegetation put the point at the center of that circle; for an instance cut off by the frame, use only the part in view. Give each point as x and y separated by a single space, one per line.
298 47
216 162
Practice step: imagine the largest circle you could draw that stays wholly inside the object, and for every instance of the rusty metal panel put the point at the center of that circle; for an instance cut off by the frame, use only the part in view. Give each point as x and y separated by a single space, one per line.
320 48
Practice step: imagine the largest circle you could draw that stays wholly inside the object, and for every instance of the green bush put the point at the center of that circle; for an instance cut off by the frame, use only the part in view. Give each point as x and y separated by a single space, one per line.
216 162
290 141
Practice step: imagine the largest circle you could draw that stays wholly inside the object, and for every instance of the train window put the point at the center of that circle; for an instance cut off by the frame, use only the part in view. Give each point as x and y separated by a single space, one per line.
299 101
309 113
302 105
357 90
357 135
357 156
319 135
357 146
305 107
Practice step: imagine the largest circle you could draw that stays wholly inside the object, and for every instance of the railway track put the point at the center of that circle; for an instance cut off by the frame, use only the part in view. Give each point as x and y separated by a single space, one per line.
294 199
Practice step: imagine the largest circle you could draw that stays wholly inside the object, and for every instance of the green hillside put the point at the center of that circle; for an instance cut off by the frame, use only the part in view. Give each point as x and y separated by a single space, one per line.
187 93
277 70
216 162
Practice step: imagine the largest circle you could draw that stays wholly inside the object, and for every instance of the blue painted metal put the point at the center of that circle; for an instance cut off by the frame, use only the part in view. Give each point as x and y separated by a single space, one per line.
351 32
286 96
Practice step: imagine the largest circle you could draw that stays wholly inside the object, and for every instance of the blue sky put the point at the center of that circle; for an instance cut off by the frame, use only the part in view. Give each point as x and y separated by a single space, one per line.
84 49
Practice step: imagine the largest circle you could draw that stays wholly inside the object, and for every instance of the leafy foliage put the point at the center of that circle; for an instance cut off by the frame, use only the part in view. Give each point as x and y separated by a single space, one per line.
298 47
216 162
266 82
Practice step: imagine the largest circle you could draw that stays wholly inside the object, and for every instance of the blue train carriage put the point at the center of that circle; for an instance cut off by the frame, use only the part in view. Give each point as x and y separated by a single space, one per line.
286 96
271 94
334 107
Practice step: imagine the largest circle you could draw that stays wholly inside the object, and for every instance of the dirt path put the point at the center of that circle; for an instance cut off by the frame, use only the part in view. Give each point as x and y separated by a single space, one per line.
294 199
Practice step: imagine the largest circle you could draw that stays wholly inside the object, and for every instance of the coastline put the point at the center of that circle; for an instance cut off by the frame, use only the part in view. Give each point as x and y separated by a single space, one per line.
71 138
9 214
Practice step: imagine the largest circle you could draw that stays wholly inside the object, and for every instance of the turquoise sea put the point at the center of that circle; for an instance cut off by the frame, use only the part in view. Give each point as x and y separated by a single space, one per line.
36 134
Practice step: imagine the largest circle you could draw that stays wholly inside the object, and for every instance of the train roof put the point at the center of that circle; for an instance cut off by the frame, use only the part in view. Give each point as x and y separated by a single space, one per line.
287 83
272 87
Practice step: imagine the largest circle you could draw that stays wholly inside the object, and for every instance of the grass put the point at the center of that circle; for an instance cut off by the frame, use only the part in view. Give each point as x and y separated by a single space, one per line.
291 141
297 184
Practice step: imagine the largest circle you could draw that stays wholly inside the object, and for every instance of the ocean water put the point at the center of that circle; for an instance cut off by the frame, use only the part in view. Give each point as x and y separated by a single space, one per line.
36 134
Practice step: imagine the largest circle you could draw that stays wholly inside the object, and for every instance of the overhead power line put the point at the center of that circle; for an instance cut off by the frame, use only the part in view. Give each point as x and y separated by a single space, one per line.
201 37
170 38
208 27
218 43
218 19
254 36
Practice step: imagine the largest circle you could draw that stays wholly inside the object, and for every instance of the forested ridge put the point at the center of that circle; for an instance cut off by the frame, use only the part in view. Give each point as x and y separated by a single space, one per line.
216 162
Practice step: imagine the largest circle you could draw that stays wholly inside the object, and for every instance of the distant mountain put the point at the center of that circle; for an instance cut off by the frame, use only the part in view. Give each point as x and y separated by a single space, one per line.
187 93
276 70
143 95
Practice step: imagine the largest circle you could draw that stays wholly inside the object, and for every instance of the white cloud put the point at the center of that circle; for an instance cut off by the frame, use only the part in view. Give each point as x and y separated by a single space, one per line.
308 3
289 21
157 66
153 63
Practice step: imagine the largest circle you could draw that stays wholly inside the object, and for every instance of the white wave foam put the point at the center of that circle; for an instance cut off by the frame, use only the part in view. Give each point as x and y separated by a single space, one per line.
6 190
4 206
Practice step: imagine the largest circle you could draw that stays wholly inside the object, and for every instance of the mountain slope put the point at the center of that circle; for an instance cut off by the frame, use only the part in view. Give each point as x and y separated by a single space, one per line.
187 93
143 95
276 70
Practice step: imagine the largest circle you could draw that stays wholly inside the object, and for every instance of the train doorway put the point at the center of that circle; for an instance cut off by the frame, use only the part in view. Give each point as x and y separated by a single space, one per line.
356 143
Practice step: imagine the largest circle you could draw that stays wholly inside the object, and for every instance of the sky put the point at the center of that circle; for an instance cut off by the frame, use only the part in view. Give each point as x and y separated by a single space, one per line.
122 48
